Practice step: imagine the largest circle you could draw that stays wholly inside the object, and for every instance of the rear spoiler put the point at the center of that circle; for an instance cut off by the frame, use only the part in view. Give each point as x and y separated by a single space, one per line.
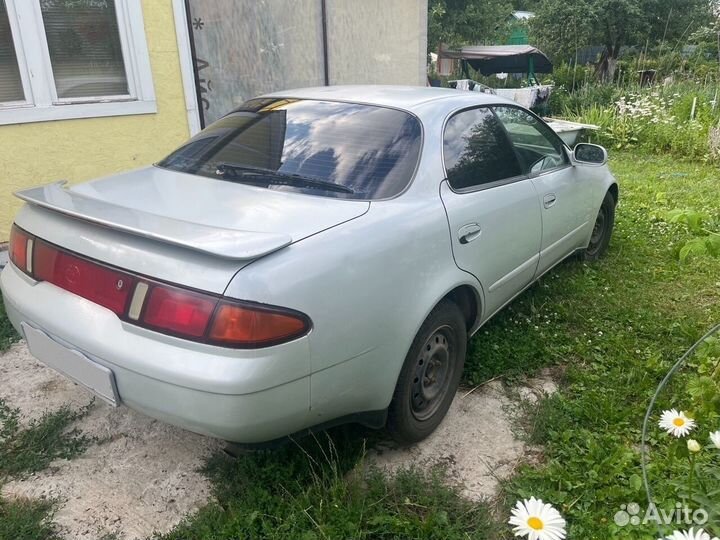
216 241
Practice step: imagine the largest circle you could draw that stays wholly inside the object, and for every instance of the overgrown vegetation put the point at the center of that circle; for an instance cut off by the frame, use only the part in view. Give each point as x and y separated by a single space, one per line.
318 489
680 119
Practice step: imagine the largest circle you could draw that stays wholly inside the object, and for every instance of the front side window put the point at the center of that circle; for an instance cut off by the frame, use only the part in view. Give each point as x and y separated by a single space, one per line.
538 147
322 148
476 150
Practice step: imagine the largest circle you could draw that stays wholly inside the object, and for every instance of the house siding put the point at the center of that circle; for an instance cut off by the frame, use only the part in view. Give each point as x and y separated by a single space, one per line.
82 149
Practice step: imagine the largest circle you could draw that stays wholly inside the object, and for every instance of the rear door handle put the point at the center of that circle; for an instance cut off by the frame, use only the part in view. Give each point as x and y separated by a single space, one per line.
549 200
468 233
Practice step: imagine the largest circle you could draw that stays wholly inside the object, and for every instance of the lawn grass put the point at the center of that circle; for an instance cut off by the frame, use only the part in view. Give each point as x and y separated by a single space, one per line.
614 327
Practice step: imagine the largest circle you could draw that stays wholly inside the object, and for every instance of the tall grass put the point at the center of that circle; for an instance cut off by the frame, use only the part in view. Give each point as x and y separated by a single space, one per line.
319 488
673 119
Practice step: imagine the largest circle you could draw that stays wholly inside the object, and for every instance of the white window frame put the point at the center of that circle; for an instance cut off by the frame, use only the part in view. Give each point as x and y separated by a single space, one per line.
42 103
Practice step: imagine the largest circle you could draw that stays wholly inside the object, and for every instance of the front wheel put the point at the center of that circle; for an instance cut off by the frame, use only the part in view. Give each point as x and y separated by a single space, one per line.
602 230
430 375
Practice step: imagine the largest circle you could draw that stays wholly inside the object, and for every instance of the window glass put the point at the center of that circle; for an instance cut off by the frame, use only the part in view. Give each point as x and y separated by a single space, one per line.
84 44
10 83
537 145
476 150
369 152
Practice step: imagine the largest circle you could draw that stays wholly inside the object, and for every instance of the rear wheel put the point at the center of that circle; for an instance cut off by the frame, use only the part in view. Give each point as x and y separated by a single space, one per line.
430 375
602 230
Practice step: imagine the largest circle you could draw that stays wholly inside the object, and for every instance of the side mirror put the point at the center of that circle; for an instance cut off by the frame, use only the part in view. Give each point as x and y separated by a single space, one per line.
590 154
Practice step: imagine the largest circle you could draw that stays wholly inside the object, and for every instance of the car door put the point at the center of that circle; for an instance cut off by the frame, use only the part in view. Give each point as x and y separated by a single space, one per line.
492 207
566 208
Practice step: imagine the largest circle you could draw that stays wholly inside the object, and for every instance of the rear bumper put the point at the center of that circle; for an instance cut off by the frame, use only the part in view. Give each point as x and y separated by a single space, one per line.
238 395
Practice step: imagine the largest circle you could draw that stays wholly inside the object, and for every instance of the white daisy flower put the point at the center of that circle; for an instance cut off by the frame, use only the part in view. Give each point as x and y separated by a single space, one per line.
689 535
537 520
676 423
715 438
693 446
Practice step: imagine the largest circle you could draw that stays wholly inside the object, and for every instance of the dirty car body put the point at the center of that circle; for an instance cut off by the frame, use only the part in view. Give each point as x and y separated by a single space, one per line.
274 273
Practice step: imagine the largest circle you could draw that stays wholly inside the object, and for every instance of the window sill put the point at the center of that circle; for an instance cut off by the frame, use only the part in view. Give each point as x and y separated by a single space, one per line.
25 114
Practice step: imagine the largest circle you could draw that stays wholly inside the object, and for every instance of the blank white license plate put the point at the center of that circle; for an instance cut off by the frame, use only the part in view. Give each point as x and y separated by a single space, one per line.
75 365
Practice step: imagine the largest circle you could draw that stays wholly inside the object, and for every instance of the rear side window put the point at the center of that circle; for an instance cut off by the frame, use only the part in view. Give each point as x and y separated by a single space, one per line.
476 150
322 148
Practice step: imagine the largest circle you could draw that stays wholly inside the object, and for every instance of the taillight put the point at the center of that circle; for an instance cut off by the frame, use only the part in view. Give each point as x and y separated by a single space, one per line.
97 283
19 240
246 325
179 312
160 307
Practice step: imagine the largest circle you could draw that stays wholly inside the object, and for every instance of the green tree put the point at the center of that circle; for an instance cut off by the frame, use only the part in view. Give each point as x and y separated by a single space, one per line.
466 22
562 26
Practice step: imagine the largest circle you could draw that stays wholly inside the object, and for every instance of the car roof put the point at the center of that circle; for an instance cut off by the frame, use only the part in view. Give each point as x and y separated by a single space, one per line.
401 97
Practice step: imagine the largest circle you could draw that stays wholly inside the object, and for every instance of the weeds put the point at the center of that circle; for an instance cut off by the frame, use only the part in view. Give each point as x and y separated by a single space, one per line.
676 119
25 450
28 449
318 488
8 335
22 519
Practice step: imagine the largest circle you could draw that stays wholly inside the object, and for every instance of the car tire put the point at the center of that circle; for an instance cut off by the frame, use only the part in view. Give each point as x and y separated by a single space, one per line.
430 375
602 230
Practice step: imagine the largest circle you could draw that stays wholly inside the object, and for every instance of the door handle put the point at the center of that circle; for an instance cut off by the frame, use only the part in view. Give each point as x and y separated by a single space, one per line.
468 233
549 200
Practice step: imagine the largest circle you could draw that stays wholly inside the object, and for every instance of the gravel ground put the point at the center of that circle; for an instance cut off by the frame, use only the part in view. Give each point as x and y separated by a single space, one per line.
142 477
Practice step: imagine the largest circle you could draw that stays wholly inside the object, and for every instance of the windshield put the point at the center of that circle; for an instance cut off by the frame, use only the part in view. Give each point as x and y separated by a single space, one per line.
343 150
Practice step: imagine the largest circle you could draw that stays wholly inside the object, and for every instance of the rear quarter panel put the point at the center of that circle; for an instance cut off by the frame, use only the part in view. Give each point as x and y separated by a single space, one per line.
367 285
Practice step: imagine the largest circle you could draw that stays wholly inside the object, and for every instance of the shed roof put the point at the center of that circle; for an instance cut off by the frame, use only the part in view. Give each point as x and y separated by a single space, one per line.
489 59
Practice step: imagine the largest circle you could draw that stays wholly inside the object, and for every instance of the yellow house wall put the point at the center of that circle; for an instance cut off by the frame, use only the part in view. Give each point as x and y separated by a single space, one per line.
82 149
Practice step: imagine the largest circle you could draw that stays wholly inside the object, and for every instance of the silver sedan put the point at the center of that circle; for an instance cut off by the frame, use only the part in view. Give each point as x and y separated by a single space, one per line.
316 256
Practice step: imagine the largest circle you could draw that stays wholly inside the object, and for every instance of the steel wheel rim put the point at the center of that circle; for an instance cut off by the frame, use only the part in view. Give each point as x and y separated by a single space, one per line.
598 230
434 370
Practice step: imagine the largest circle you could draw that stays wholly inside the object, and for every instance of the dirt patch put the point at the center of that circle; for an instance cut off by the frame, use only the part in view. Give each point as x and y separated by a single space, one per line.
476 443
140 478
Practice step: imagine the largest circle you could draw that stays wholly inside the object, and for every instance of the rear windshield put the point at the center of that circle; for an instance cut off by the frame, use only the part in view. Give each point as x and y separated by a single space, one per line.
322 148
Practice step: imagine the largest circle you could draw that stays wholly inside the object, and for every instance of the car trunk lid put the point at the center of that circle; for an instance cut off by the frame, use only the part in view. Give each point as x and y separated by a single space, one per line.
178 227
224 219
